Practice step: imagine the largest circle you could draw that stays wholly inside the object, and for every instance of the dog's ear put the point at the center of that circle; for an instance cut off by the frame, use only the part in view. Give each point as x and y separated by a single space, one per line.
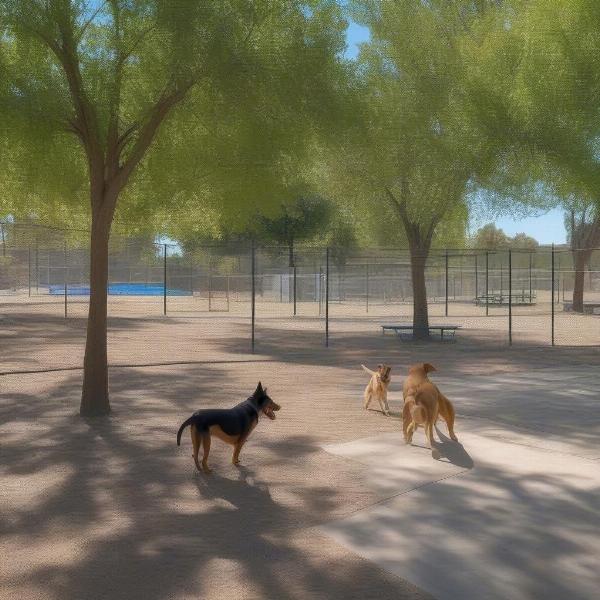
428 367
258 388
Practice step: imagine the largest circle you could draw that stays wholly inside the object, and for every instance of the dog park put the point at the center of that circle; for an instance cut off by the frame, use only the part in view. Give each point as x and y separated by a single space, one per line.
299 299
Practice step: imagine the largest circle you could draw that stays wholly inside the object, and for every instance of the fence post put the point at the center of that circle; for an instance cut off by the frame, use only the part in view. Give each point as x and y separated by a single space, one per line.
501 279
209 284
367 285
552 298
253 300
327 296
294 289
509 297
37 267
65 276
487 281
320 289
476 279
165 280
558 280
29 271
530 294
446 312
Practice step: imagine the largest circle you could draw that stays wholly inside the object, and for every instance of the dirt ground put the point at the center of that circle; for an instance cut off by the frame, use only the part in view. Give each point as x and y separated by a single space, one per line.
112 508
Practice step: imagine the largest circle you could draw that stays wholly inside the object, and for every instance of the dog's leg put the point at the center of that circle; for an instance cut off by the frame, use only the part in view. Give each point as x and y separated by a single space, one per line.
235 459
407 424
385 401
368 397
450 420
382 405
195 445
429 433
206 451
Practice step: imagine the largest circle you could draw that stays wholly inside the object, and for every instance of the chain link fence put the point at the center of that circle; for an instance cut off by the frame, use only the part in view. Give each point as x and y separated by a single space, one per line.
507 296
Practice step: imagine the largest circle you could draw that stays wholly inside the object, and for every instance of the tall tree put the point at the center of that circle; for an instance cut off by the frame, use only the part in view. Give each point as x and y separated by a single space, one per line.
415 147
538 78
97 84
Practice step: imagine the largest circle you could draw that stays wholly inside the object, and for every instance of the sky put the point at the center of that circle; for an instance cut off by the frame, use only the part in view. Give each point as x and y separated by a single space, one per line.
547 228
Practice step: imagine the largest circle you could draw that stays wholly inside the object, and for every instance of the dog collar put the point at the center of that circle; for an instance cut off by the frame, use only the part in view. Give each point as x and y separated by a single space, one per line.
254 409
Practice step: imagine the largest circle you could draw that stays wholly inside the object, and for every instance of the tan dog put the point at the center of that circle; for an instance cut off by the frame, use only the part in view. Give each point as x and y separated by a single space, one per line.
378 387
417 374
423 405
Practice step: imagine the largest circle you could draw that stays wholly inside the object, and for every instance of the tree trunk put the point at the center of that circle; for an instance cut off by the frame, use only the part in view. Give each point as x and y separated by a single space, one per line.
94 398
580 259
418 260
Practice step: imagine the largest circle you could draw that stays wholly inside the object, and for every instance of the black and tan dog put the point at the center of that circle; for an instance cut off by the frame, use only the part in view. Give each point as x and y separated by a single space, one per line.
232 425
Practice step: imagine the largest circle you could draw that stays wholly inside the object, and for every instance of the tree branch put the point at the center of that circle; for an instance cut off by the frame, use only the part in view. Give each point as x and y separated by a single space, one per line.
84 27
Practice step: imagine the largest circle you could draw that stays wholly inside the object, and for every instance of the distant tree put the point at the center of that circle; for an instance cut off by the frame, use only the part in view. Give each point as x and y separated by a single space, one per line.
297 221
522 241
343 242
159 102
490 237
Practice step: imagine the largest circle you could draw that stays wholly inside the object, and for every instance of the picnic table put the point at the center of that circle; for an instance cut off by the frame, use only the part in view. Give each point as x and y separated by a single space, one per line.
517 298
398 329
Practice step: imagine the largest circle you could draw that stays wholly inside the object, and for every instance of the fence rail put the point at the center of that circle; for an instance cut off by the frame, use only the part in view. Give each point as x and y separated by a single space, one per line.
531 291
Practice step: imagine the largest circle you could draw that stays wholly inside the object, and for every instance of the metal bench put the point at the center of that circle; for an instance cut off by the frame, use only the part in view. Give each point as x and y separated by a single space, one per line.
399 329
518 299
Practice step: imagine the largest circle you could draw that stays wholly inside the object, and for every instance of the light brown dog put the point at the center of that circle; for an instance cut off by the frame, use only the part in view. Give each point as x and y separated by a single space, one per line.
423 405
417 374
378 387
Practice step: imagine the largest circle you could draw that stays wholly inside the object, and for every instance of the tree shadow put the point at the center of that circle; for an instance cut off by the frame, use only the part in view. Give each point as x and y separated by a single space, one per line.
111 508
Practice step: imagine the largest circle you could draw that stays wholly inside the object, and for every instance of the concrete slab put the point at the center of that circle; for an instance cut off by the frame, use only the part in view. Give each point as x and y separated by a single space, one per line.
519 521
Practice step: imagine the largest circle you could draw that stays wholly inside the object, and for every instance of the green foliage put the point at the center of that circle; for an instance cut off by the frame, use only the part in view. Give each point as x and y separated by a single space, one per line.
524 242
298 221
415 150
257 82
490 237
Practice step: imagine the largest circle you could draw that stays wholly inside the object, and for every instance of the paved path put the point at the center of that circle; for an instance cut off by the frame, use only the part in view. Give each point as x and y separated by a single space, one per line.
509 512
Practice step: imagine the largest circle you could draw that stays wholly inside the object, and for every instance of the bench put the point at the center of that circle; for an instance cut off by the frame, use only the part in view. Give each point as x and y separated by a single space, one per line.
398 329
518 299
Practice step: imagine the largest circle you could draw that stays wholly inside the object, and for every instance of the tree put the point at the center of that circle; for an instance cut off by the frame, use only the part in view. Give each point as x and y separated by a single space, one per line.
538 77
299 220
582 222
94 86
415 147
490 237
522 241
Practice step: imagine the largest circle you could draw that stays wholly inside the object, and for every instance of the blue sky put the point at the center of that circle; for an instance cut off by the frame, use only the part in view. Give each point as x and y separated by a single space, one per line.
546 229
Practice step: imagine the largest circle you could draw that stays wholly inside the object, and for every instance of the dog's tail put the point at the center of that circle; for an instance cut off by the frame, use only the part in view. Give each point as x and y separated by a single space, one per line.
368 370
183 426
